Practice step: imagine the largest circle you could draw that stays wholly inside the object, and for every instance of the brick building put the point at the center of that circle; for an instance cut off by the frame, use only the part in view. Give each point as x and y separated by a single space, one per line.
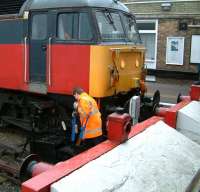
170 31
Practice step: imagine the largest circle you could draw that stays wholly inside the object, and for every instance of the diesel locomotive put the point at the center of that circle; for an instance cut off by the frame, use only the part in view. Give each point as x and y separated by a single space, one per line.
52 46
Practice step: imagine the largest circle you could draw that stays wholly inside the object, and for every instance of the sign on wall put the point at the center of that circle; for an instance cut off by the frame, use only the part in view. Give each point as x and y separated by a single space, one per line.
175 50
195 47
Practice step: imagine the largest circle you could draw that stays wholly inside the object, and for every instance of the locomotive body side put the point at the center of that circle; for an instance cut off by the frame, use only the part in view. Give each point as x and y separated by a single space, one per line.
12 54
69 68
90 67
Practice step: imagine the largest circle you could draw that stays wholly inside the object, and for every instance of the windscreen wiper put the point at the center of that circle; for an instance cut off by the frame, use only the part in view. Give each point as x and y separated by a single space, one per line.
110 19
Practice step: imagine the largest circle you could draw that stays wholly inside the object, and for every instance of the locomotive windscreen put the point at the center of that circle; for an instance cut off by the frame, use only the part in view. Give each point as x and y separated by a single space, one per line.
10 6
111 28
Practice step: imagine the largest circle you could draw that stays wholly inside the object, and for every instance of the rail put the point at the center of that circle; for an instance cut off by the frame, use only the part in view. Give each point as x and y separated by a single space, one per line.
10 172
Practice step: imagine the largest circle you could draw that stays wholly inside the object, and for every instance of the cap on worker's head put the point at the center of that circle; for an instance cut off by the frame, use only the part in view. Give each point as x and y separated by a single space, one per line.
77 90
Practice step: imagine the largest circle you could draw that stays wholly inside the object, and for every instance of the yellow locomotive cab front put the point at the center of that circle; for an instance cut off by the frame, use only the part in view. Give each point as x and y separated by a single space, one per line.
115 69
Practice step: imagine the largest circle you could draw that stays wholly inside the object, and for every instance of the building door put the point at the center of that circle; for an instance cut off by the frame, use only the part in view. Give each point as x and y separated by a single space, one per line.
38 47
148 32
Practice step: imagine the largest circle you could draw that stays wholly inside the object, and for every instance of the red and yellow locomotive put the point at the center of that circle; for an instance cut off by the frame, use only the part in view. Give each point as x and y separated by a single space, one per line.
52 46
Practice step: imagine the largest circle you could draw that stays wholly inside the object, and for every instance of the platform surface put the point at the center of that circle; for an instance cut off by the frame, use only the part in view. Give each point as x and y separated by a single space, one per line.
158 159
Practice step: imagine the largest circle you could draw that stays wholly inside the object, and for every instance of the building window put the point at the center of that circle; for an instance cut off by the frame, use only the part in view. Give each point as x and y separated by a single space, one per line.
148 32
149 43
147 26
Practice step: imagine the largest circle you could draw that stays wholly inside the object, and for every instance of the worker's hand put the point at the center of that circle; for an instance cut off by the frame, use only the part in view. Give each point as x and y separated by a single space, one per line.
74 114
76 129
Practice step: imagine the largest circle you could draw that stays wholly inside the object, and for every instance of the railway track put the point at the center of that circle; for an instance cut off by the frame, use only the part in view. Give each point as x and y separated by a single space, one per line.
10 172
9 175
12 153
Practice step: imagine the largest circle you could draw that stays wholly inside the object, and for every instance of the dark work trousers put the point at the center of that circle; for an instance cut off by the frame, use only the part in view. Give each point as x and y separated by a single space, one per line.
93 141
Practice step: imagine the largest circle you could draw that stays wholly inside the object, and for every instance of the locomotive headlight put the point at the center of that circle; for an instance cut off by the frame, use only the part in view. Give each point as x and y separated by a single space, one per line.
137 64
123 64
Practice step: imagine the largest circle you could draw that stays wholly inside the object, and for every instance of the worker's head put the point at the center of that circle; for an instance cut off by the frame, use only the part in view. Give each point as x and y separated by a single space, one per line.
76 92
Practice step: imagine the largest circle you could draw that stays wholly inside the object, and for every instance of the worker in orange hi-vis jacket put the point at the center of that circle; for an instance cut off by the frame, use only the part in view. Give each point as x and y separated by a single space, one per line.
90 118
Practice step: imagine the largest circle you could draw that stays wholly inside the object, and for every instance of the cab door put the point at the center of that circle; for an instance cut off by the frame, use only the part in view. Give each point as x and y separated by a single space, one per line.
38 33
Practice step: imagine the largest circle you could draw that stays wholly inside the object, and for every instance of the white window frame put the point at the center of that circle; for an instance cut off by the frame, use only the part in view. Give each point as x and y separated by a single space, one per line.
155 31
195 47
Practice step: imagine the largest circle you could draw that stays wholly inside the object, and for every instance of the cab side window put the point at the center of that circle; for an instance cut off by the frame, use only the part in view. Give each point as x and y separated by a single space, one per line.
74 27
39 27
67 26
85 32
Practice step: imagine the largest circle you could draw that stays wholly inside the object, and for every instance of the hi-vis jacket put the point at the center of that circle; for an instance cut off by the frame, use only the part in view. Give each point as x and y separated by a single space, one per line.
89 116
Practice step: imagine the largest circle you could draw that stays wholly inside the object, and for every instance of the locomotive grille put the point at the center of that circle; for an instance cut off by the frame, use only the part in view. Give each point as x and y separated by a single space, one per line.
10 6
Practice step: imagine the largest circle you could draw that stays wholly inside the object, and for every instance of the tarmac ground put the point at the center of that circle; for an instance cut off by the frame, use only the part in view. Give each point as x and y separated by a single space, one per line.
169 88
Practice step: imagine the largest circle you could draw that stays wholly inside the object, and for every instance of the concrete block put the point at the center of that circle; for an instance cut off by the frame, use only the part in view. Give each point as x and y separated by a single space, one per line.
158 159
188 118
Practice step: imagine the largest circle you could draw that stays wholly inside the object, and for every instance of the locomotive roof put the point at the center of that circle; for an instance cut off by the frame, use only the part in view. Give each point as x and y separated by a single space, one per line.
49 4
